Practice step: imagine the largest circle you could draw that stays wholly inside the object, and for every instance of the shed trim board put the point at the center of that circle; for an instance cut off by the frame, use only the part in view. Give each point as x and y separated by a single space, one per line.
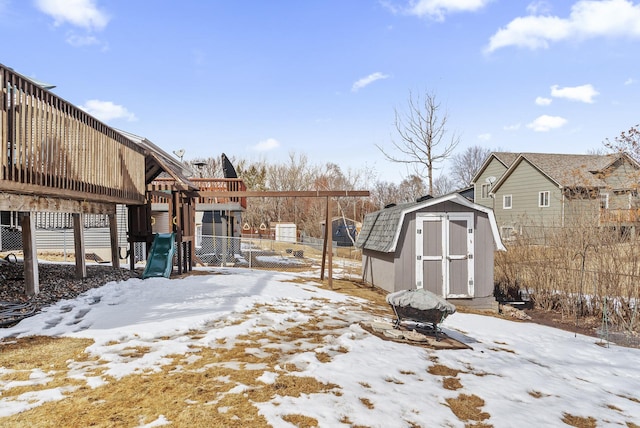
444 256
454 197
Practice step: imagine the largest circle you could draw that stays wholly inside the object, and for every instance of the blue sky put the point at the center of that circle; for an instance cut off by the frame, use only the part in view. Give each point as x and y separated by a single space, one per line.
262 79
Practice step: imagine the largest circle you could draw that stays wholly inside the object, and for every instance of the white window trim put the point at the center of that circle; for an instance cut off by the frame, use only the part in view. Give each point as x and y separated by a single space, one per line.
547 198
508 233
606 200
504 202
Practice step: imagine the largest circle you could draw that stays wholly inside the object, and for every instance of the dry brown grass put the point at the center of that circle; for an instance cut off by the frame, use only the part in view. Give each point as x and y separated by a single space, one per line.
579 421
467 407
188 392
537 394
451 383
367 403
442 370
301 421
217 389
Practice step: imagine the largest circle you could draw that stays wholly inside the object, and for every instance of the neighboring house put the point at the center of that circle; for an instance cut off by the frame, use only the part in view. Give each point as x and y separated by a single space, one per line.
491 170
467 192
343 231
445 245
540 191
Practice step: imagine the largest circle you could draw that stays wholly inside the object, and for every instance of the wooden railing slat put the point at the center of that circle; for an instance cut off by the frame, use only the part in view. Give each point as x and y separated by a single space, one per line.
48 142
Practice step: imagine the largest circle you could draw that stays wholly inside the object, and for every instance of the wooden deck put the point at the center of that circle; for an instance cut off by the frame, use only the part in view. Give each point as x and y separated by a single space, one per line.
160 190
51 148
620 216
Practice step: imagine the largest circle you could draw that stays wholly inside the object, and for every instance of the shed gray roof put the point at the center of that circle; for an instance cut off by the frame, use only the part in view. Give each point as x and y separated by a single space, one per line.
381 229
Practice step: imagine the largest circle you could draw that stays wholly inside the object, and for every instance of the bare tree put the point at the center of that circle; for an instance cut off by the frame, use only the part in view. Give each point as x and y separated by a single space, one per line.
424 140
383 193
442 185
627 141
411 188
209 167
466 164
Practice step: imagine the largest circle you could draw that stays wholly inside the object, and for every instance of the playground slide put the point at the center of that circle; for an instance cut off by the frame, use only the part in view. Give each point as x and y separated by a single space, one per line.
160 259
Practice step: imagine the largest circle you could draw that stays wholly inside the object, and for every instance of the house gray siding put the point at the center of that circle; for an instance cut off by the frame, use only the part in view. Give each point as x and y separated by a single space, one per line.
524 184
494 169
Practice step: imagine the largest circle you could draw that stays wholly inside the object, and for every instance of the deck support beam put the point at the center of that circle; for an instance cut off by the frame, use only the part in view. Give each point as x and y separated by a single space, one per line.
30 254
113 235
78 242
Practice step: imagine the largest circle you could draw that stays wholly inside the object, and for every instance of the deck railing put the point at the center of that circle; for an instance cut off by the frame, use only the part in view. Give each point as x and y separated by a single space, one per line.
51 147
160 185
620 215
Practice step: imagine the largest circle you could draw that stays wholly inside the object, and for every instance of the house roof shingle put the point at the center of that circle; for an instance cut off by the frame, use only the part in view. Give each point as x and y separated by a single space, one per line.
569 170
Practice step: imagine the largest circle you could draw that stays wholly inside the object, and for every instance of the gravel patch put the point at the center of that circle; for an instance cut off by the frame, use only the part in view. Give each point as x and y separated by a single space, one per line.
57 282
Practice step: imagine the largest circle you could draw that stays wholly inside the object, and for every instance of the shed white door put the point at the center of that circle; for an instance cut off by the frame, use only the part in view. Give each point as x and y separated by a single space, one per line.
444 253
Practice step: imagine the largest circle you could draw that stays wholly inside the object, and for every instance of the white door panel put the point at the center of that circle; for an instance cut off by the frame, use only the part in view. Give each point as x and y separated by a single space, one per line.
444 249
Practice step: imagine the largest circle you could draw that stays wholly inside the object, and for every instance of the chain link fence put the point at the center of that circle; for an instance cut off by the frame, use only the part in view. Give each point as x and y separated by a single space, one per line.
247 252
257 253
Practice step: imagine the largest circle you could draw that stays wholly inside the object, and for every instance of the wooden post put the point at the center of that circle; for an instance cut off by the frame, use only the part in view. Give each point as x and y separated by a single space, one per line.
329 235
324 242
113 232
130 240
31 276
78 241
327 247
177 227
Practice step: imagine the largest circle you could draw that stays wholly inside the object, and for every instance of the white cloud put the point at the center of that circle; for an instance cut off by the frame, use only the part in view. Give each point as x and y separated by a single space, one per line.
630 81
587 19
78 41
542 101
106 111
546 123
267 145
79 13
539 7
484 137
513 127
584 93
365 81
437 9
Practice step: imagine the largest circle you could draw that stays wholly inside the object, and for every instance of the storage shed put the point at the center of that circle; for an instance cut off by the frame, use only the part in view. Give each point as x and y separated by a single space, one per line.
444 244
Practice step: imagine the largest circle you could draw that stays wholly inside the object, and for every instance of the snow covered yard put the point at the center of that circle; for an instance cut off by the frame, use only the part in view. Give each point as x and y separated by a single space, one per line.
260 348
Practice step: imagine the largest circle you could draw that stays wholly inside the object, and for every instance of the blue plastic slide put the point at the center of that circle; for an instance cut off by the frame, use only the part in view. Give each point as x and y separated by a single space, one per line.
160 260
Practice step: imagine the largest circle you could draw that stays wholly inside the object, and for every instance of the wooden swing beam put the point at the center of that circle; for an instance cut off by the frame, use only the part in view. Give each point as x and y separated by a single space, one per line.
328 194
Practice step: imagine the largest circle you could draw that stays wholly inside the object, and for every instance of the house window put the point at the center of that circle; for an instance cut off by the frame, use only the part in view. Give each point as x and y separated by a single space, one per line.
543 199
506 202
604 201
485 191
507 233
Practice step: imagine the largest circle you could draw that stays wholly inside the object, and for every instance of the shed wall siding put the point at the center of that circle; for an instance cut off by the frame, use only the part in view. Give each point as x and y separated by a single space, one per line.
378 269
405 266
483 256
